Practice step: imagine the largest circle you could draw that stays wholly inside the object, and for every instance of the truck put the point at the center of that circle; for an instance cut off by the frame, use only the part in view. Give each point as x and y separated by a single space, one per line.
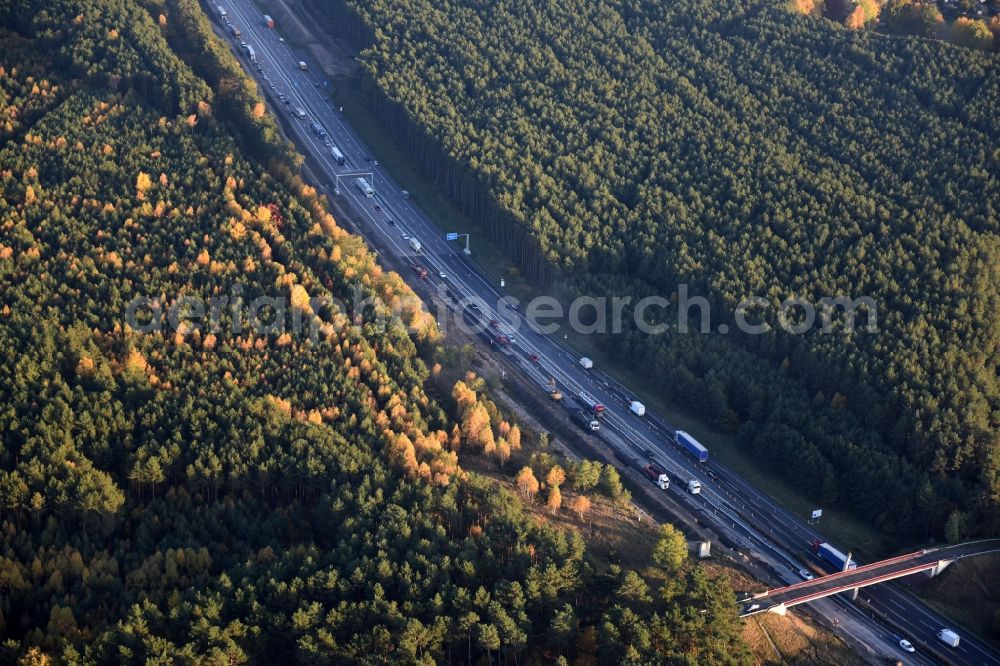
586 420
414 244
365 188
832 557
694 486
303 66
251 53
592 404
338 156
221 11
691 445
637 408
300 113
268 21
655 473
236 32
318 130
586 363
949 637
420 271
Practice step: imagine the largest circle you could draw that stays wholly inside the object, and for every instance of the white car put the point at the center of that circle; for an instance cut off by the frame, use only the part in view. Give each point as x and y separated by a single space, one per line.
406 236
442 275
805 574
905 645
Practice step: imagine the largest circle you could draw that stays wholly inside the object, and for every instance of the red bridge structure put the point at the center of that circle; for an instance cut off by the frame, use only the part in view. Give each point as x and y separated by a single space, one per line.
931 560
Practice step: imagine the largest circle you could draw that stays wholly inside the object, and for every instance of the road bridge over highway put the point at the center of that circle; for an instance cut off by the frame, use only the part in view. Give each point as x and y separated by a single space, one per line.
931 560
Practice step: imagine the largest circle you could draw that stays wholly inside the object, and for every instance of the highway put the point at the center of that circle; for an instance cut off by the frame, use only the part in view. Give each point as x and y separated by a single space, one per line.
747 519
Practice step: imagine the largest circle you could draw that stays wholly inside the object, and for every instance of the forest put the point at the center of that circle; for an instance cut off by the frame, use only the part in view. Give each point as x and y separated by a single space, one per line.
744 150
227 495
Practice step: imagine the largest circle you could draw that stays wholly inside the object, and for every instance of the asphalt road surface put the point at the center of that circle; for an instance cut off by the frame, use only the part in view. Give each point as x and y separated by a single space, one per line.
748 519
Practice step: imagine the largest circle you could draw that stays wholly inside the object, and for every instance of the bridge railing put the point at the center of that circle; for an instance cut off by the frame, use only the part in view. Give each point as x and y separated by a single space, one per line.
841 574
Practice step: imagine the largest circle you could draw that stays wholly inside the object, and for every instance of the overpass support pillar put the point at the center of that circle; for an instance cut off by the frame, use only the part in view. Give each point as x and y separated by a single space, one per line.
854 594
939 567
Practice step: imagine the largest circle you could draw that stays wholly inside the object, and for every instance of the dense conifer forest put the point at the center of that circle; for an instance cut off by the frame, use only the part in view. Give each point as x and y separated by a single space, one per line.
628 147
206 496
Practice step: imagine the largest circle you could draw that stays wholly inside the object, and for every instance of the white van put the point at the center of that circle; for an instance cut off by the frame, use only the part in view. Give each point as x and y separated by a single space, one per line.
949 637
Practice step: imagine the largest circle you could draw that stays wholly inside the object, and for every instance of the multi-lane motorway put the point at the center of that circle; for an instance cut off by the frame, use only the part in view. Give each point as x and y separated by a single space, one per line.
748 519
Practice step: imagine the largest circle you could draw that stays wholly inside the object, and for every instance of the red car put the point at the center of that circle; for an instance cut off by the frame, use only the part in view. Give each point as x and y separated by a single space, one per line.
533 358
494 323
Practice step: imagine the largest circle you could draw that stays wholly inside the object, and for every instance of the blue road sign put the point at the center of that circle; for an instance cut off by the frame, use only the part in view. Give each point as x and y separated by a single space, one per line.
451 236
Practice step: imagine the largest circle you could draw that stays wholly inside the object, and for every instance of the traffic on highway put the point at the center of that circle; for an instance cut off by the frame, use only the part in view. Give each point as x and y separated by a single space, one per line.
746 520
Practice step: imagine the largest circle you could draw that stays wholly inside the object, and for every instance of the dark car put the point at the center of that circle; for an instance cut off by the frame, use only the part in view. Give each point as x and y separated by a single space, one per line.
650 454
391 222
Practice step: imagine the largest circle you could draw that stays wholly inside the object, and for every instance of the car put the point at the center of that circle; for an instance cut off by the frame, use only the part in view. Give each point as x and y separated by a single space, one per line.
406 236
287 101
442 275
906 646
495 323
374 162
404 194
377 207
326 142
534 358
649 453
749 608
475 307
281 39
711 474
391 222
271 83
242 43
805 574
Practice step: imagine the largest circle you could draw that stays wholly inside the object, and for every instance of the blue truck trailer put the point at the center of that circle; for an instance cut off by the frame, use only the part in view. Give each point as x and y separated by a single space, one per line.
833 558
691 445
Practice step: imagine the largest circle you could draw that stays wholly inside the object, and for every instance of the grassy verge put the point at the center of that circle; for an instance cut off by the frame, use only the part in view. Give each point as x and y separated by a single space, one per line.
969 592
838 526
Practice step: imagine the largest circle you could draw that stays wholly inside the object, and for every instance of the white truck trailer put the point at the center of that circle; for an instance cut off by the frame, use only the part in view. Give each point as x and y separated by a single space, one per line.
365 188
